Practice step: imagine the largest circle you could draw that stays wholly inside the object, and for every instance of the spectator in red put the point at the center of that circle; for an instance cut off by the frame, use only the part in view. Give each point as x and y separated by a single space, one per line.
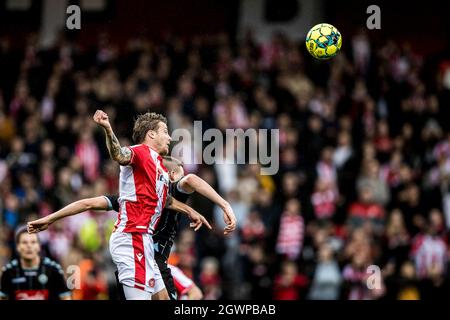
291 231
390 172
94 287
210 279
289 284
324 200
356 276
383 142
326 170
87 152
253 228
365 210
429 250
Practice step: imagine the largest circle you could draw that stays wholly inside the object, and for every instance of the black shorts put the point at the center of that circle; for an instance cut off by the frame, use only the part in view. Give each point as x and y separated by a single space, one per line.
161 261
119 287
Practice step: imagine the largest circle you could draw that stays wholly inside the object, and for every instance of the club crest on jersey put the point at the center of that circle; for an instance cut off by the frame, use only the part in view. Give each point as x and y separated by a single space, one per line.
151 282
43 279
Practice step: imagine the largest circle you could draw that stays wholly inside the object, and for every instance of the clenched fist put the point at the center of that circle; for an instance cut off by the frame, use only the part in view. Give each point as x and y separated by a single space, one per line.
101 118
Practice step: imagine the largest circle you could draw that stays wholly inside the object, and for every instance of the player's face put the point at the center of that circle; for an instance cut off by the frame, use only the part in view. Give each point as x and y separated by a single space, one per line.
28 246
163 139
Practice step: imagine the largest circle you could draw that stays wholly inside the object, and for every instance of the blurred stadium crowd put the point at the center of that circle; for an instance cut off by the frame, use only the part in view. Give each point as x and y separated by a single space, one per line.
364 160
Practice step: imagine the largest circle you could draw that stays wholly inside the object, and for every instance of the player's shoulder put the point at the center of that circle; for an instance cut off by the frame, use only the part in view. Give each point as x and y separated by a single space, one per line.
52 264
142 150
137 149
10 266
137 146
176 190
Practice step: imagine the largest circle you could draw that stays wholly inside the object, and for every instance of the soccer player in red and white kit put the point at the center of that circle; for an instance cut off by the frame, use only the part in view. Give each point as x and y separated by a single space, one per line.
143 192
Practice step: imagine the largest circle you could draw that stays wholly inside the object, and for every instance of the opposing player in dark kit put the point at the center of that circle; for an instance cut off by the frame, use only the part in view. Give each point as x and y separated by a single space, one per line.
31 276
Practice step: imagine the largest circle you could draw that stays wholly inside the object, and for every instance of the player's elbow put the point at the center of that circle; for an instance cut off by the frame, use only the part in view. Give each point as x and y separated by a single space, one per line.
88 204
195 293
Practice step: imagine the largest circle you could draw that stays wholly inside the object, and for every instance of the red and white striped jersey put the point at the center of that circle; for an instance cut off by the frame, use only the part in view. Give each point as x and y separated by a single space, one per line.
290 236
428 251
143 186
182 282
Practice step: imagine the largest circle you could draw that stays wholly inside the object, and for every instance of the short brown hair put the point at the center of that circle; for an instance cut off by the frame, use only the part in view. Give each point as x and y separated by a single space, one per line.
172 163
146 122
22 229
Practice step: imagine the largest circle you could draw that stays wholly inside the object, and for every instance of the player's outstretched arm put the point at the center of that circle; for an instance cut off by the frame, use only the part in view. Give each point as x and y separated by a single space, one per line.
122 155
97 203
192 182
197 219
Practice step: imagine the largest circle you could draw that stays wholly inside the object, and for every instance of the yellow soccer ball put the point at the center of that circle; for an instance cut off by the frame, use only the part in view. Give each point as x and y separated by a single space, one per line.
323 41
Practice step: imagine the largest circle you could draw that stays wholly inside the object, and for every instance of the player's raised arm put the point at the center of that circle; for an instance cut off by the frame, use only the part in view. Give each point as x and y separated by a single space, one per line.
122 155
192 182
197 218
97 203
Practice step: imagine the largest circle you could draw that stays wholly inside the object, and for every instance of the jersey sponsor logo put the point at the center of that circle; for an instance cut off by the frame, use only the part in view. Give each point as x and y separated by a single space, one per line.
139 256
162 175
19 280
31 294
